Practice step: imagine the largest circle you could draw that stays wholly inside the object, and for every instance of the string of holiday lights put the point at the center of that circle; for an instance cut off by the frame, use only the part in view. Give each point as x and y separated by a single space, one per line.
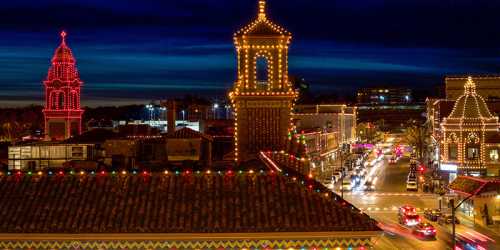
307 181
261 40
467 126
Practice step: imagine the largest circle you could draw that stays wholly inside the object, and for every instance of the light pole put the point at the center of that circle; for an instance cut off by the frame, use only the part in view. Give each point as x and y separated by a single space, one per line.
227 111
163 109
342 156
453 211
183 115
216 106
150 108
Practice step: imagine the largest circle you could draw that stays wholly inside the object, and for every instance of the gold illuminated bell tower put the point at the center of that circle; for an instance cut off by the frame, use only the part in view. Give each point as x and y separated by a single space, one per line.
262 97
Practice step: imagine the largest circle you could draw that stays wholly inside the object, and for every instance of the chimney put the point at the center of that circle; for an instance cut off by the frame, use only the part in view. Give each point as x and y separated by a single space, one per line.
171 115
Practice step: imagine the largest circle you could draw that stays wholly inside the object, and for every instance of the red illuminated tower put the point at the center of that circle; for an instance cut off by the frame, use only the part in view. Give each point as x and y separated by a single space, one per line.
62 112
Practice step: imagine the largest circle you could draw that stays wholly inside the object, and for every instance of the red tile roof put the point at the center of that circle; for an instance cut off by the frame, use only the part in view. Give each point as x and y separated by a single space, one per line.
185 203
473 186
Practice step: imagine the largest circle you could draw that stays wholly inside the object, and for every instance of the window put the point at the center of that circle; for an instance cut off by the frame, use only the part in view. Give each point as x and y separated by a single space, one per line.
60 99
74 100
453 152
472 153
262 72
53 100
494 155
77 152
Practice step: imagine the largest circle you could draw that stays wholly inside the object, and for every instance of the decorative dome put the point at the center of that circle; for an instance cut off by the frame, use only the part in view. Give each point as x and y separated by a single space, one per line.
262 26
63 63
63 53
470 105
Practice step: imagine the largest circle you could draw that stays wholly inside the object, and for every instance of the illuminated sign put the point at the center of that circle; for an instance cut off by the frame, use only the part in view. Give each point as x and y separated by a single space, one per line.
448 167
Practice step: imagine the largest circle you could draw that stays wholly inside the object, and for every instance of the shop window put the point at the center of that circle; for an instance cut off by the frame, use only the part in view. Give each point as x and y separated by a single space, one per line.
473 153
453 152
77 152
494 155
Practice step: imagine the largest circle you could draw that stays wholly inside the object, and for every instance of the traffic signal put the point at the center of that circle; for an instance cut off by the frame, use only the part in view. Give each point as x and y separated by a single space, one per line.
421 168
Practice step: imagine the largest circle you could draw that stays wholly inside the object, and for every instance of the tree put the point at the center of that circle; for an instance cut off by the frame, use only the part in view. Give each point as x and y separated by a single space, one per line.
11 131
418 136
368 132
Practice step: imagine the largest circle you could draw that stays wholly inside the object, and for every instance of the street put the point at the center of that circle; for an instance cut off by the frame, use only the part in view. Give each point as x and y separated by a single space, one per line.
390 193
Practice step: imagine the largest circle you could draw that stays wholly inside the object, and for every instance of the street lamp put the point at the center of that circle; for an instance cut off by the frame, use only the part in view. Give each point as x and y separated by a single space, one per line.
163 109
227 111
453 211
216 106
151 109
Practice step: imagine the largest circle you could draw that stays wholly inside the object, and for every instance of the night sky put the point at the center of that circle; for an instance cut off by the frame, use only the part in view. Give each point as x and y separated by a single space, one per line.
131 51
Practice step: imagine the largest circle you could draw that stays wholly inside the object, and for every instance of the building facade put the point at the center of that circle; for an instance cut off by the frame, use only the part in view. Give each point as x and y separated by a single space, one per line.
41 156
62 111
469 135
262 97
384 96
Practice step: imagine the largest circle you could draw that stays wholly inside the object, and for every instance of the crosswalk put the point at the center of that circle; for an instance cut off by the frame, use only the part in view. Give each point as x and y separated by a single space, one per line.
373 209
389 194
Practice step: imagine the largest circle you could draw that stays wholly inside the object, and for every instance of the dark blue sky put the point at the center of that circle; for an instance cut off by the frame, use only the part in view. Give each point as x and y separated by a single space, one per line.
138 50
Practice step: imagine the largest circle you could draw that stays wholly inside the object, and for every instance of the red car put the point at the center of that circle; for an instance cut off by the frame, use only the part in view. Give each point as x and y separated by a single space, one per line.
425 230
408 216
410 219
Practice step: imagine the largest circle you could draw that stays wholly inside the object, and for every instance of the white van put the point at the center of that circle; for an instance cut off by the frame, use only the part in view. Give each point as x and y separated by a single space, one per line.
411 185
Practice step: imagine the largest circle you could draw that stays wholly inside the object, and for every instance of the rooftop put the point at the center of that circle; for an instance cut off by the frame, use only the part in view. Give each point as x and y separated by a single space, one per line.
473 186
186 202
262 26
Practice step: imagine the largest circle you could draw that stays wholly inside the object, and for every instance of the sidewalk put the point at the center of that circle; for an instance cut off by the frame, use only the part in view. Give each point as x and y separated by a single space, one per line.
468 221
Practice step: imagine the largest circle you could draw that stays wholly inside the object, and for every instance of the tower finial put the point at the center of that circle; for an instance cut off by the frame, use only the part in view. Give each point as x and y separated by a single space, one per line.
63 37
262 9
470 86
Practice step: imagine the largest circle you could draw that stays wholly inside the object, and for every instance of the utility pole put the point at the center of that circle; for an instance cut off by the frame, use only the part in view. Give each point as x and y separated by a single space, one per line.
453 240
453 211
342 176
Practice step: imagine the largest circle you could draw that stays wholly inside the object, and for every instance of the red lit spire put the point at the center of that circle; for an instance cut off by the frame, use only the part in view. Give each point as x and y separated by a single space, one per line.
63 113
63 63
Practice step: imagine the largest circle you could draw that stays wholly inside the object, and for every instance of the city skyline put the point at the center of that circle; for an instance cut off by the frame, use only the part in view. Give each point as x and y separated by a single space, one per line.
135 52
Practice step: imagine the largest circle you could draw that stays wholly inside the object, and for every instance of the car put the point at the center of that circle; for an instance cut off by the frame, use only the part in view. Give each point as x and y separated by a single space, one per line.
447 219
464 242
410 219
432 214
424 230
347 184
407 209
337 175
328 181
369 186
356 180
411 185
392 160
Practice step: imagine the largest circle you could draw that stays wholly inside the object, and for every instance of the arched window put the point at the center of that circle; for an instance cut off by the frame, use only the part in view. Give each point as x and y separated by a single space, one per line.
60 100
53 100
74 100
262 72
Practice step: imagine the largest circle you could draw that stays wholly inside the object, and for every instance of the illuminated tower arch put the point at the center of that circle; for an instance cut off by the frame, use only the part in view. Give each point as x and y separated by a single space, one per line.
62 112
262 101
